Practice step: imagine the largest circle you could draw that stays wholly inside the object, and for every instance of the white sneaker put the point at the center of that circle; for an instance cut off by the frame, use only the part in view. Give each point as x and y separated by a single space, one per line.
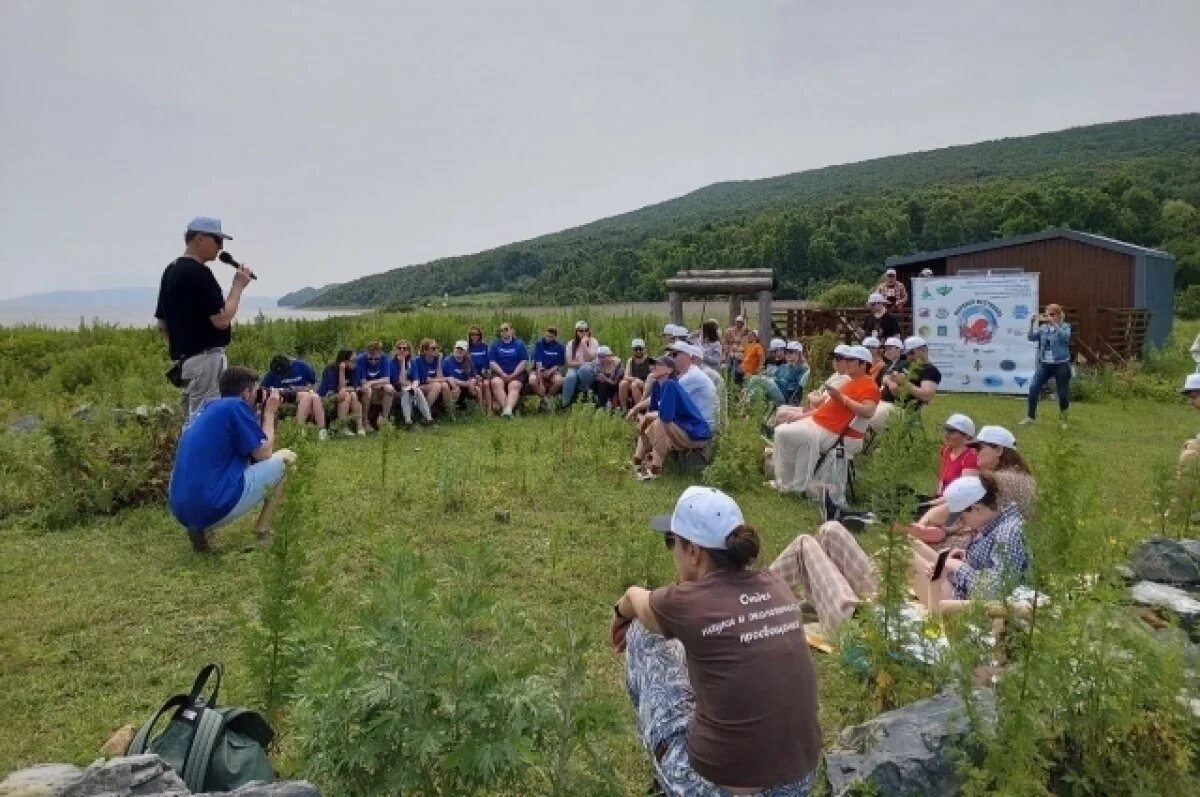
362 432
323 435
348 432
1027 421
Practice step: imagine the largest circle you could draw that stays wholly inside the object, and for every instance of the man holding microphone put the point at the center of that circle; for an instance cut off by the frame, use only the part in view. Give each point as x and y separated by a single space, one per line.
195 317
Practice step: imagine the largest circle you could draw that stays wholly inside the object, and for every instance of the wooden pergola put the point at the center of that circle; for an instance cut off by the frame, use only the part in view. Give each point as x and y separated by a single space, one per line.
734 283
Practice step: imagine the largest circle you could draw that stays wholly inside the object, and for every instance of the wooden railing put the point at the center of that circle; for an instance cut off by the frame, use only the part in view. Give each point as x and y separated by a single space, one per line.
845 321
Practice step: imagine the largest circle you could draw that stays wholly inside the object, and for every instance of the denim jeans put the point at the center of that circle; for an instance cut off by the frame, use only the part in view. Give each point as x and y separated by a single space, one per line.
577 379
1061 373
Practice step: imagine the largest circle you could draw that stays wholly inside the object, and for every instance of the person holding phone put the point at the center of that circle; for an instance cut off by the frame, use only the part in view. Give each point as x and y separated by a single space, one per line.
1052 334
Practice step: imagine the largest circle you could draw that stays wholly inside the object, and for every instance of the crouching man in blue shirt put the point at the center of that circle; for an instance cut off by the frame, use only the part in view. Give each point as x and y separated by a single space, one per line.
224 466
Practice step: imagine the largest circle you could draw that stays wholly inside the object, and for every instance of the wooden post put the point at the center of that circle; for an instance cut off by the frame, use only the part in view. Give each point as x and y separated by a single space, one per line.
764 315
735 307
676 301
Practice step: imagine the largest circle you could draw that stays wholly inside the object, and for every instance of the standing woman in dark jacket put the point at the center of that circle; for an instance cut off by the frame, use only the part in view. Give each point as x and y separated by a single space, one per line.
1053 336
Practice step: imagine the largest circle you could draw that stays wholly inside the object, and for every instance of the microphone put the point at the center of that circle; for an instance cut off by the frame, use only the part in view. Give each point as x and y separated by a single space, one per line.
225 257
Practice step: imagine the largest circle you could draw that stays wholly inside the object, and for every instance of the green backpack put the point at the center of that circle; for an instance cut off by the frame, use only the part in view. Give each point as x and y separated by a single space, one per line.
211 748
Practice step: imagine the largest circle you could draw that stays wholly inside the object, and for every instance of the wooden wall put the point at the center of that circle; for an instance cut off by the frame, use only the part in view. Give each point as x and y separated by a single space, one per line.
1076 275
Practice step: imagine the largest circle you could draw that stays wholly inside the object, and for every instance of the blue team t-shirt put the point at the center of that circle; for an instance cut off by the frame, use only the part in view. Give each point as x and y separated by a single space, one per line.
453 369
366 371
549 354
509 355
423 370
210 462
299 374
481 355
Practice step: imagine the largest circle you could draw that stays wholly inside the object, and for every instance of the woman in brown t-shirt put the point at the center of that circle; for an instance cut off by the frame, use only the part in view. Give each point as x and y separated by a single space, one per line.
718 665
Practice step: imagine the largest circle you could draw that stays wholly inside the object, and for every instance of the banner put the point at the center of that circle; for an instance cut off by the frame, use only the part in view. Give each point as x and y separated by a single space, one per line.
976 328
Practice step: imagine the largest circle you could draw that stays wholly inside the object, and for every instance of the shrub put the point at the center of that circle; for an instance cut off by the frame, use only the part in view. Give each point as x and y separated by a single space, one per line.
843 294
1187 303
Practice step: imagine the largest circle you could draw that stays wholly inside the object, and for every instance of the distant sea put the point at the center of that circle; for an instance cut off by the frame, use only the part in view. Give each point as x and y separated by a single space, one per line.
128 308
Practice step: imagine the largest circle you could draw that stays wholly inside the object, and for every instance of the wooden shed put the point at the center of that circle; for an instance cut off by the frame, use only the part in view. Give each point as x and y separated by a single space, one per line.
1119 296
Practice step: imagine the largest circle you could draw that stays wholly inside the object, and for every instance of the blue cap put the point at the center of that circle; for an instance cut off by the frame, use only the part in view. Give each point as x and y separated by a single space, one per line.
208 226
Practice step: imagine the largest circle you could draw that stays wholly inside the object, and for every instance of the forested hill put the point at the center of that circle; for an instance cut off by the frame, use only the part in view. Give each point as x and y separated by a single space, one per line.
1137 180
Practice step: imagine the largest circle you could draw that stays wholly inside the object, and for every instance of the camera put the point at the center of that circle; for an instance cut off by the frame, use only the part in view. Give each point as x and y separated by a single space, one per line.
287 395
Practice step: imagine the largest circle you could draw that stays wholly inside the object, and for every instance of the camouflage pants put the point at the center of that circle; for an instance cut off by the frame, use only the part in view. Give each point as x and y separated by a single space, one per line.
656 675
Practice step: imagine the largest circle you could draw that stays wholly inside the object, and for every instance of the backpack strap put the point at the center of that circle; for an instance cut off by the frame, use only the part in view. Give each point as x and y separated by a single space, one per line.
202 681
142 739
195 766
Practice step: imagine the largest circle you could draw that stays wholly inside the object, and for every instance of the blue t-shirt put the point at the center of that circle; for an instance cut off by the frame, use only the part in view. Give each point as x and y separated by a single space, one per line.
481 355
365 371
210 462
656 391
299 374
509 355
676 406
423 370
549 354
399 372
453 369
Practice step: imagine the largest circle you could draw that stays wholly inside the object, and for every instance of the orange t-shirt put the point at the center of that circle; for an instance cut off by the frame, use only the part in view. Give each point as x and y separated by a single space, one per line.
834 416
753 358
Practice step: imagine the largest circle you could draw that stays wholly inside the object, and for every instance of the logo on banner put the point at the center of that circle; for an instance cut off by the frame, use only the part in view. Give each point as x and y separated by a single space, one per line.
923 332
1020 380
925 294
977 321
1020 312
943 332
1008 365
943 313
924 312
945 290
993 381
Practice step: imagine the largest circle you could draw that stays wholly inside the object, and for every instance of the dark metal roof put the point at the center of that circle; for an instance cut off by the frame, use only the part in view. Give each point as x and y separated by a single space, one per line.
1045 235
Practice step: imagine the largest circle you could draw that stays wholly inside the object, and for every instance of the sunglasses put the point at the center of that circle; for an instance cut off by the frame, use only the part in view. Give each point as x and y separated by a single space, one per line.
402 348
374 359
639 348
669 539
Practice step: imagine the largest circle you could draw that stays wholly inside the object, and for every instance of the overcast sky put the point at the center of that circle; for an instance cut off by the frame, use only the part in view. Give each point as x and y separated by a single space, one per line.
337 139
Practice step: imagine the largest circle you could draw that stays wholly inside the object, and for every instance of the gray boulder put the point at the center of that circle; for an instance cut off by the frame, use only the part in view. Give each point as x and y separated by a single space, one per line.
283 788
1173 599
909 751
44 780
26 423
129 776
1167 561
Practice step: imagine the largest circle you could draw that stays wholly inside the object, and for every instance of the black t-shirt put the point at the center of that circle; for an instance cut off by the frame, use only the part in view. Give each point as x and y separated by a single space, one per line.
926 372
187 299
884 327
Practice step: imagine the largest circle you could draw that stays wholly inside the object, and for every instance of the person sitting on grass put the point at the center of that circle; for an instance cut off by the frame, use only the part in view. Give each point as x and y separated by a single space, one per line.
997 456
710 343
373 380
724 705
753 357
837 576
637 371
459 373
508 362
609 374
226 465
298 377
407 384
734 341
784 382
646 410
549 358
427 368
914 390
481 359
873 345
337 383
699 386
799 445
581 362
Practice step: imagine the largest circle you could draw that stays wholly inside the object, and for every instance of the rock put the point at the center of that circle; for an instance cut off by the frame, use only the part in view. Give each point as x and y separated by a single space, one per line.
82 413
285 788
502 516
906 751
1125 572
1174 599
44 780
118 743
26 423
1167 561
131 776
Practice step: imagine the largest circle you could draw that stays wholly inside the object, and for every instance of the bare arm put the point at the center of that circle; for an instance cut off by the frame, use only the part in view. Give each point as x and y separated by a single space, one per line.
223 319
636 603
268 426
925 391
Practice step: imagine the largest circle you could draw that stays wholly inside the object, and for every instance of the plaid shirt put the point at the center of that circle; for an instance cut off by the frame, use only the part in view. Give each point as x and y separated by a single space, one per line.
996 558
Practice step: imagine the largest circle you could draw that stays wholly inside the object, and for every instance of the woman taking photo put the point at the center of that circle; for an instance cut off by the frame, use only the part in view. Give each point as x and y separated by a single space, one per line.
717 665
1052 334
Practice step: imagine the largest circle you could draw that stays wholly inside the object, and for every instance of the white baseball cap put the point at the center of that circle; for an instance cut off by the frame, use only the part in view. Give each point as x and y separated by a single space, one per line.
876 298
603 351
704 516
637 343
891 272
926 272
860 353
996 436
777 343
963 493
581 325
871 342
669 329
893 342
1191 384
684 347
461 344
841 350
741 318
795 345
960 423
915 342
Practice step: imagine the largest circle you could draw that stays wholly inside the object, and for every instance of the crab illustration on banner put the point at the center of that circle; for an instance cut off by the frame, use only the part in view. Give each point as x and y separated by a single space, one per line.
977 322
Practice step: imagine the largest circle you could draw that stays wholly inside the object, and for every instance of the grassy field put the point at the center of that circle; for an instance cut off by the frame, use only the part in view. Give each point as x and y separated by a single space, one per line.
102 622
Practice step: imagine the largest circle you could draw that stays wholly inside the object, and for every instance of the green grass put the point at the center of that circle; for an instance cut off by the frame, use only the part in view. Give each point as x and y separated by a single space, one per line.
102 623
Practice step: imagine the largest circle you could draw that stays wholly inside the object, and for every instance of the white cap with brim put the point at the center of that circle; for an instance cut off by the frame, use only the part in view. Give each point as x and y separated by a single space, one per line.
893 343
741 318
861 353
461 344
871 342
995 436
841 350
638 343
777 343
703 516
581 325
876 298
795 345
960 423
669 329
1191 384
207 225
891 272
603 351
963 493
915 342
683 347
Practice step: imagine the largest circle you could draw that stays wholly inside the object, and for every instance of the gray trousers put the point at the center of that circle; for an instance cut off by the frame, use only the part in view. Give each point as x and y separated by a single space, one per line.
202 372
